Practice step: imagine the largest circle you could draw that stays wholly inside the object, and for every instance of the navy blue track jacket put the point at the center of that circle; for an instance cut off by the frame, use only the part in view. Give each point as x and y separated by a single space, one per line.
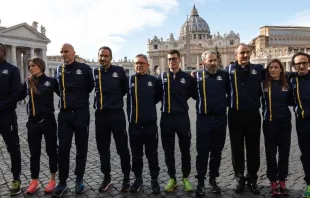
10 86
75 83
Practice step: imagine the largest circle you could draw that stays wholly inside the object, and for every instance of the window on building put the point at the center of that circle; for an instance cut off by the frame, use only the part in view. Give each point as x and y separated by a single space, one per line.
200 37
166 46
231 42
199 44
155 47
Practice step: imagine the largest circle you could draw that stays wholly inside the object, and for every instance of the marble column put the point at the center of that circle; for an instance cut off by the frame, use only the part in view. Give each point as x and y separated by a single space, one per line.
31 52
197 61
13 55
151 65
288 66
43 55
19 64
183 62
162 64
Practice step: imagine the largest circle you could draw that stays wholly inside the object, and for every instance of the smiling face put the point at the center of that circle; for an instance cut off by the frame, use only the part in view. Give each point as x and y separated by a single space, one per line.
275 70
141 65
301 64
104 57
173 61
243 55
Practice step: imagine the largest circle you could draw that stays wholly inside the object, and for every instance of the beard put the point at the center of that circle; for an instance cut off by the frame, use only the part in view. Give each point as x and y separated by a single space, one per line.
212 70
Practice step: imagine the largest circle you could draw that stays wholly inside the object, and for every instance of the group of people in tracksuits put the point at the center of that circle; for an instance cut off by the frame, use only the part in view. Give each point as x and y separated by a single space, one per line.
242 86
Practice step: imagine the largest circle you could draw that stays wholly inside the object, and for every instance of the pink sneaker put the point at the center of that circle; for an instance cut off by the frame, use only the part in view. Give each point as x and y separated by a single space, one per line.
50 186
33 186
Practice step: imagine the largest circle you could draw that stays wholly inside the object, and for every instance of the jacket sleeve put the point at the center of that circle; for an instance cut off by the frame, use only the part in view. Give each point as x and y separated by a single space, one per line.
23 92
194 87
123 81
15 90
290 94
158 88
90 79
56 87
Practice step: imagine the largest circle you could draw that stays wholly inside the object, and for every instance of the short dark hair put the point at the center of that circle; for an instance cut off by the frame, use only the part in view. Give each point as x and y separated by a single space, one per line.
240 44
142 56
107 48
299 54
174 51
155 67
3 48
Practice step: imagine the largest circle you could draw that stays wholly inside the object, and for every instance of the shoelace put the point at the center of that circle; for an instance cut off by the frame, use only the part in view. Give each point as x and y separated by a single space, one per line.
15 184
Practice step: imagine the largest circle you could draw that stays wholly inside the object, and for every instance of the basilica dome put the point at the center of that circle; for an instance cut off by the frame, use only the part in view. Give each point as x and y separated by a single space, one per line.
198 27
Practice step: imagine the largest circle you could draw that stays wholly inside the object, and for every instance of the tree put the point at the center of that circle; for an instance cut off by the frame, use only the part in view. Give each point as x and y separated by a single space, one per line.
218 56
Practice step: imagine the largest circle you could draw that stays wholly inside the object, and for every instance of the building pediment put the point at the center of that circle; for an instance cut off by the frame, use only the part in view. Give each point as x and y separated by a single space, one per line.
24 31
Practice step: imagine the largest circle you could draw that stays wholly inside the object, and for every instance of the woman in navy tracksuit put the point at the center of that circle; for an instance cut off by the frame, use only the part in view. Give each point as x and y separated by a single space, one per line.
41 121
277 97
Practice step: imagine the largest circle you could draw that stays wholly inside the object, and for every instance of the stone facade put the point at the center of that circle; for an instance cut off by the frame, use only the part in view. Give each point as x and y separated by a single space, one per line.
200 39
23 42
280 42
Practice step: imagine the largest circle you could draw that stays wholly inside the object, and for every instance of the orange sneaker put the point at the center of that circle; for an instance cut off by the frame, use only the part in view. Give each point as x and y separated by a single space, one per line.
34 185
50 186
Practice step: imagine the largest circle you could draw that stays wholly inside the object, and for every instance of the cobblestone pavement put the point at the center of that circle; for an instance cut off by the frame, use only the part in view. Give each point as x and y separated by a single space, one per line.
93 175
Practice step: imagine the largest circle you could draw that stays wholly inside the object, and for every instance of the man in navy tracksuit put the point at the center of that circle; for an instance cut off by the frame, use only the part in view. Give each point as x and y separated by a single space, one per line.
301 91
110 117
9 95
210 95
244 120
176 87
75 84
143 94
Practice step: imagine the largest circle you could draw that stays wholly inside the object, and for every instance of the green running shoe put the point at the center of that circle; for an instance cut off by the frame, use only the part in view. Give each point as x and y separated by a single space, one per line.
172 183
307 192
16 187
187 185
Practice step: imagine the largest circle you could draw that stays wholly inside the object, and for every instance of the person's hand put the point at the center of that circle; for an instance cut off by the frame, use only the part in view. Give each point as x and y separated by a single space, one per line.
193 73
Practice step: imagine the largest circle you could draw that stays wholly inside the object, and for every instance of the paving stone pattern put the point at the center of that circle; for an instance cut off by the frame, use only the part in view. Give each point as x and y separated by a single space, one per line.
93 175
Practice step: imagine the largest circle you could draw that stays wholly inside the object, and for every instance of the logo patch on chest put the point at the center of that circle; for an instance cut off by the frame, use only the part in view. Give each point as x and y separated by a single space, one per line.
150 84
114 75
254 72
5 72
284 89
219 78
182 81
79 72
47 84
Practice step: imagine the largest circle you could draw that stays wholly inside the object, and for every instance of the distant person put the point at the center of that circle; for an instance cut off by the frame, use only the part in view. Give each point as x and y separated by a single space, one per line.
301 90
41 121
110 82
156 71
244 120
143 93
176 90
277 126
75 83
210 95
9 95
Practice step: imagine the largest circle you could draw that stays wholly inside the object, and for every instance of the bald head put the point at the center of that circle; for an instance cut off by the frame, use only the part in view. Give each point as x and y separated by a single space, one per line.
67 53
68 45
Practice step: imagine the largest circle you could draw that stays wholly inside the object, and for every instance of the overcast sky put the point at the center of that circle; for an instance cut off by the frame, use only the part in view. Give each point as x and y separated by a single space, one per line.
126 25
